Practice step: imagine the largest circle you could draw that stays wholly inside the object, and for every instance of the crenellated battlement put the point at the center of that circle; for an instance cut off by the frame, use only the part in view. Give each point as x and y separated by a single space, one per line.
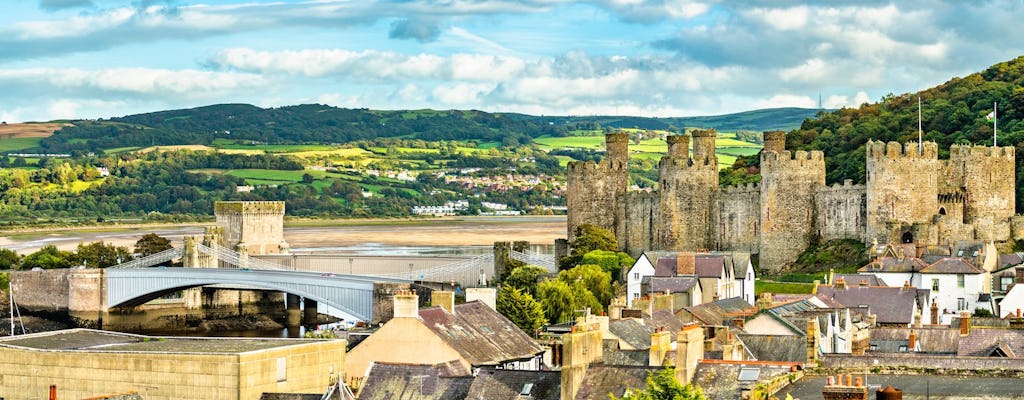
894 150
694 163
577 167
846 185
792 159
742 189
249 207
979 151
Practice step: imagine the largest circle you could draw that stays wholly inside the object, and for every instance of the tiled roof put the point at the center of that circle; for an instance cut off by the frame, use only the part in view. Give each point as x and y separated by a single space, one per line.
602 380
480 334
952 266
288 396
710 265
722 380
934 340
983 342
500 384
413 382
636 358
673 284
893 264
791 348
664 319
1010 260
892 305
740 264
714 313
631 331
856 279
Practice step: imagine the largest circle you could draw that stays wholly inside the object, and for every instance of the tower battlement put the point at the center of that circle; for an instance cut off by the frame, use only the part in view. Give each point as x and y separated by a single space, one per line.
741 189
792 159
774 141
693 164
894 150
249 207
978 151
846 185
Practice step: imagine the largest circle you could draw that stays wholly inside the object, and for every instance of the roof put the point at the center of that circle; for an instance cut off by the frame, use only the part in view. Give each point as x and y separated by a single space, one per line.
672 284
856 279
709 265
664 319
892 305
631 331
933 340
987 342
715 313
601 380
480 334
740 265
1010 260
893 264
726 380
387 381
636 358
950 265
790 348
500 384
104 341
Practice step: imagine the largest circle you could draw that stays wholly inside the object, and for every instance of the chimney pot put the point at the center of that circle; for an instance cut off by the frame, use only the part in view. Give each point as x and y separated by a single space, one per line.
53 392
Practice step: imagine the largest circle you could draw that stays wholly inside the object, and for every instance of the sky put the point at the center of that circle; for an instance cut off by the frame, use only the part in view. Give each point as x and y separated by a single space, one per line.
667 58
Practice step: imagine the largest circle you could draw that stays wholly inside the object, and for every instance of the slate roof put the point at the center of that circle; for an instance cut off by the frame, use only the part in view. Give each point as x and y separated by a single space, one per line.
714 313
933 340
709 265
952 266
601 380
983 342
636 358
791 348
722 380
480 334
1010 260
673 284
664 319
855 279
413 382
631 331
669 266
740 264
497 384
892 305
893 264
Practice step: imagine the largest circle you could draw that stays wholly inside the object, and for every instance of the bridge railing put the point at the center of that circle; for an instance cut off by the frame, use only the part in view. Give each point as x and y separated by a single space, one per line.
547 263
455 271
151 260
235 259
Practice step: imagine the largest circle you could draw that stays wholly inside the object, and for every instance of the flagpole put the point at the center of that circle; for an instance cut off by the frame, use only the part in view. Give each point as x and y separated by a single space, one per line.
995 119
920 144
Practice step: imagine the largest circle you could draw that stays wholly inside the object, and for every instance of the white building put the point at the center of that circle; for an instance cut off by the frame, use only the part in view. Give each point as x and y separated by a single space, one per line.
641 268
956 284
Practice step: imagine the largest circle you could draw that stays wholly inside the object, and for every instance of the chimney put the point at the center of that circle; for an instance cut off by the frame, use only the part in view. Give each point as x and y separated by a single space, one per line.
444 299
643 304
917 319
53 392
906 285
579 349
764 302
486 295
1019 278
663 301
889 393
863 283
814 289
913 341
965 323
812 340
686 264
407 304
935 313
872 320
840 283
1018 313
689 351
661 341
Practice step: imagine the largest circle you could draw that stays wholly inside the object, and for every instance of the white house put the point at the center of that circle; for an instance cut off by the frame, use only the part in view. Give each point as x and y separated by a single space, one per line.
1013 304
956 284
641 268
743 275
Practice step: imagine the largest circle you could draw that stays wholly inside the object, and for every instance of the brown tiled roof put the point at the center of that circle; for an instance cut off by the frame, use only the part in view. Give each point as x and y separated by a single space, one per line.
1011 259
673 284
892 305
664 319
414 382
983 342
710 265
480 334
893 264
499 384
950 265
715 313
602 380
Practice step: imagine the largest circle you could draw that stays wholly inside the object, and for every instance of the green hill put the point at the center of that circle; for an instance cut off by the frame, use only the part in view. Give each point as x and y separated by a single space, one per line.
953 112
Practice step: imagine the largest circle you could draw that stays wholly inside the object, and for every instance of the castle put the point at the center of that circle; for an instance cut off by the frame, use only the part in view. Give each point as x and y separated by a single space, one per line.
911 196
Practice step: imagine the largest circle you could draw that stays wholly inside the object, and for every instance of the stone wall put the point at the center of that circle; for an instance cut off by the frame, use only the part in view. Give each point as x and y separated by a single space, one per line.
383 300
642 213
258 225
901 186
789 181
840 211
595 189
922 363
738 219
41 291
984 170
687 187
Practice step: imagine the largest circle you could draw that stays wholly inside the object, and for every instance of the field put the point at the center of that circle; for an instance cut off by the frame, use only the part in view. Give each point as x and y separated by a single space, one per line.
15 137
727 148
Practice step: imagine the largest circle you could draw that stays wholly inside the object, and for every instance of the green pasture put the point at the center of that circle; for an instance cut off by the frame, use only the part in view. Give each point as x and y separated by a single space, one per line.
119 150
15 144
761 286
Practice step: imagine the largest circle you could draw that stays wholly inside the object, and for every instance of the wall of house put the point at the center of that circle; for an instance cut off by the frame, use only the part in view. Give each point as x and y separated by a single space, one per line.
401 340
949 291
641 268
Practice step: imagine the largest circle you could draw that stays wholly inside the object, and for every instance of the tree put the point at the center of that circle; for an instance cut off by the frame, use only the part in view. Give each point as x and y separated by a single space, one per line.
593 280
525 278
48 257
556 298
613 262
663 385
101 255
520 308
150 244
588 238
307 178
9 259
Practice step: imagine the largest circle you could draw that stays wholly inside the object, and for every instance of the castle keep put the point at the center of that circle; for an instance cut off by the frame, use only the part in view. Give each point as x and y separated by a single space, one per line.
911 196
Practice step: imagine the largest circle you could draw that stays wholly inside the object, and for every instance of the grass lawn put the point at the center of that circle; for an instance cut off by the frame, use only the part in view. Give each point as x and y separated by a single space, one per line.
274 176
15 144
118 150
782 287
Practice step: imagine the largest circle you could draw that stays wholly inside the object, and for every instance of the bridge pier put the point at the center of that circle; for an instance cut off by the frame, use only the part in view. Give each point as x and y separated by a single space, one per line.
293 314
309 312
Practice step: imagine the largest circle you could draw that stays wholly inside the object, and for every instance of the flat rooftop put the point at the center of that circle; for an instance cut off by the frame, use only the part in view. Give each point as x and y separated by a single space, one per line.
105 341
916 387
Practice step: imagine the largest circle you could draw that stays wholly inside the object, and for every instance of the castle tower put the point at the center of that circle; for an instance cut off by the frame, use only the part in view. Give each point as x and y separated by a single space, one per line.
258 226
595 190
774 141
788 183
687 193
902 190
984 174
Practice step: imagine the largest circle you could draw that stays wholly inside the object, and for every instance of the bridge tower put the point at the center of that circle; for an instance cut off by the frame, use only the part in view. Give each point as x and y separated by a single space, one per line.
256 225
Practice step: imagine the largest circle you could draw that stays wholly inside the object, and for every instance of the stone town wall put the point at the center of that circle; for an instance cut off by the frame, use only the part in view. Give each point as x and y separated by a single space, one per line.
642 213
901 185
738 219
922 363
788 183
840 211
595 189
257 224
985 171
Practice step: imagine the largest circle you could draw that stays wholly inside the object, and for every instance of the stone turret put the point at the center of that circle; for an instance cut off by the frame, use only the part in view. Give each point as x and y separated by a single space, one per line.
259 225
704 143
595 191
902 189
789 181
687 197
775 141
678 146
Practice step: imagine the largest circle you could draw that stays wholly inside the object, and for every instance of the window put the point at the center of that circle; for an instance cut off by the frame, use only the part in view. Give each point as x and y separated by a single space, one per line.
960 280
636 275
636 295
282 369
961 304
935 285
1004 282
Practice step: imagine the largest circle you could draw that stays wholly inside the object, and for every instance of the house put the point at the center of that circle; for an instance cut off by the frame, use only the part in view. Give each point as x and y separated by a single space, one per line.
642 268
988 342
497 384
471 334
1013 302
891 306
685 290
834 327
725 312
719 275
926 339
956 284
384 381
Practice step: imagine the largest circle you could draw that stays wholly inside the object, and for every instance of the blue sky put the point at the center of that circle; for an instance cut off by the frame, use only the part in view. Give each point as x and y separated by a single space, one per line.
99 58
